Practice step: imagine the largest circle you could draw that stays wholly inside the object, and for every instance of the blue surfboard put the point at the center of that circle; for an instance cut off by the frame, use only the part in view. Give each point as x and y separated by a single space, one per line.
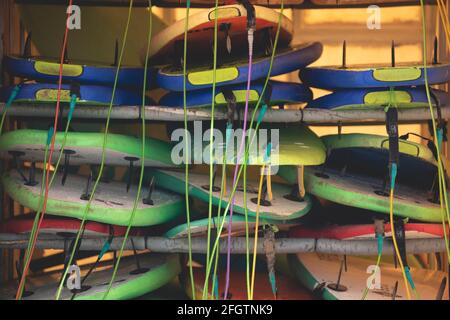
374 76
47 70
233 72
89 94
281 93
403 97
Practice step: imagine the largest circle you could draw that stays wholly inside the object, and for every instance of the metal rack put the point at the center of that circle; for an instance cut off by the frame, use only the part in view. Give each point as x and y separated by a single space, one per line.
161 113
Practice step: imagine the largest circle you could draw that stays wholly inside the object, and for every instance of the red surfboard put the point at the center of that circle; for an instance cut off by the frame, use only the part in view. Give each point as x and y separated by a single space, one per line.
231 38
361 231
62 226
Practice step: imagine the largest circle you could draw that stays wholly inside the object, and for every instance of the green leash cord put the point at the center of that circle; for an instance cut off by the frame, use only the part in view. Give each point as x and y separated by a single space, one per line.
443 198
260 117
215 285
102 165
141 176
377 266
72 105
211 136
187 148
8 103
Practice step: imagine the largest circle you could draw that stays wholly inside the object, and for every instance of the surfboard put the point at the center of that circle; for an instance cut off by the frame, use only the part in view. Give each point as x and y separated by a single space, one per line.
374 76
281 208
88 94
231 37
171 291
200 227
319 273
366 231
282 93
155 271
60 226
287 289
297 145
111 204
355 172
47 69
86 148
404 97
236 71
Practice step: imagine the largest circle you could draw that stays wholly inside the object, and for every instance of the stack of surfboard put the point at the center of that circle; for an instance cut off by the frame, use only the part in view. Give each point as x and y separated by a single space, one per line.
109 214
377 86
91 82
354 175
232 59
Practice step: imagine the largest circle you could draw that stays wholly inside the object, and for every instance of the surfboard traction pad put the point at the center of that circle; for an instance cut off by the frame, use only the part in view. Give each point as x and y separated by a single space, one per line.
160 269
111 203
281 209
87 147
304 265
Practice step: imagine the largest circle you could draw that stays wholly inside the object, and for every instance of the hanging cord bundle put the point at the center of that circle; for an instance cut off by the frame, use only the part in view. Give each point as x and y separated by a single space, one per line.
50 155
260 116
211 149
15 91
251 25
103 155
141 175
437 133
379 235
187 149
442 8
258 206
392 129
215 279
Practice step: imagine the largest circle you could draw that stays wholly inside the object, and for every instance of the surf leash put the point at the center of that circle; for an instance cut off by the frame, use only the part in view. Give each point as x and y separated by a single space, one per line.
187 148
259 115
258 206
443 197
211 149
143 133
392 130
103 154
251 26
15 91
379 235
50 155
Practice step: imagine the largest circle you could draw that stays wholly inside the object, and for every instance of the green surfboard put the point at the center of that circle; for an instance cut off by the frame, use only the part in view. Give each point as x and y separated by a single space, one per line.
155 271
200 227
355 175
111 204
289 146
319 273
280 208
86 148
